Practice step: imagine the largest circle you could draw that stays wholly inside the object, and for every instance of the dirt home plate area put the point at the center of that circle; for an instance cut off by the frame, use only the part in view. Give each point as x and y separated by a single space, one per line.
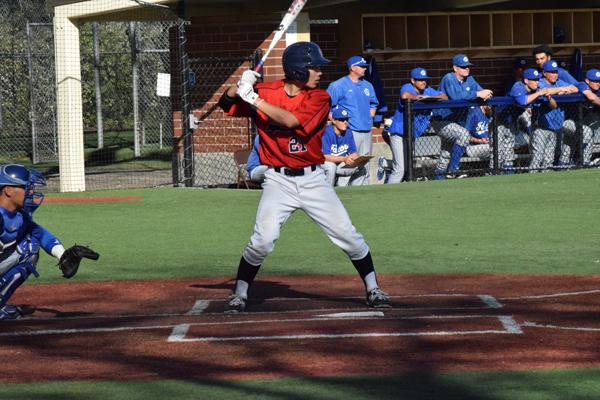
301 326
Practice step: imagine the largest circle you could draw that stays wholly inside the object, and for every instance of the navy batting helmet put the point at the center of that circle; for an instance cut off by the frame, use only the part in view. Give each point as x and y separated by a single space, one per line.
18 175
299 57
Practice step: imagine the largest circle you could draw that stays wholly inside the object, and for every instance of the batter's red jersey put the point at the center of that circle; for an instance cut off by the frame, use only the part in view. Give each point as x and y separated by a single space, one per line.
284 147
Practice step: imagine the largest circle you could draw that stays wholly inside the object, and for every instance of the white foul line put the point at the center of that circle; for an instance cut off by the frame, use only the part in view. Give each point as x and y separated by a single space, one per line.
219 323
544 296
341 336
199 307
567 328
509 323
178 333
490 301
354 314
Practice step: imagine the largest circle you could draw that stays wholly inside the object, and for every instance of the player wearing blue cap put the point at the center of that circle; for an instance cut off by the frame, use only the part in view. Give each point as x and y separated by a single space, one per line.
458 85
340 152
525 93
590 88
416 90
357 95
549 118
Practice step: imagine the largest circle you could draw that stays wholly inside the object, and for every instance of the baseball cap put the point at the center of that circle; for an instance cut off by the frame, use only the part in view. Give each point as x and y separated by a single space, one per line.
520 63
339 112
593 74
357 60
531 74
461 60
550 66
419 73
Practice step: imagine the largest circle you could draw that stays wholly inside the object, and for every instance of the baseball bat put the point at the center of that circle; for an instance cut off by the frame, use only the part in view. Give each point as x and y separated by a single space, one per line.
288 18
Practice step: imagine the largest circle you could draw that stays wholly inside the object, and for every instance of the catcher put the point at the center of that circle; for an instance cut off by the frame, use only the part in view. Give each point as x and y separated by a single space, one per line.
21 238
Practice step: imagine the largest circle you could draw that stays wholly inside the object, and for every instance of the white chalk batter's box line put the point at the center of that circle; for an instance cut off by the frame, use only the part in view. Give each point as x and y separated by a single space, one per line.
180 330
508 323
488 301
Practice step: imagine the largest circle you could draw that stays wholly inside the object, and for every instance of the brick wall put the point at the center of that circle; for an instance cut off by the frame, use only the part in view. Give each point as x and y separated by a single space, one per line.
224 37
210 37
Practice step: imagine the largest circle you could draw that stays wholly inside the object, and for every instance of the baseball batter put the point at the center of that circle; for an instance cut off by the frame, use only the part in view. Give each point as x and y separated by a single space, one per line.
290 116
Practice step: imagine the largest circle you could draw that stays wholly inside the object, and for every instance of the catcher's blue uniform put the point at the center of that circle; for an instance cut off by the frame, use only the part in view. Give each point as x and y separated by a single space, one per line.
20 237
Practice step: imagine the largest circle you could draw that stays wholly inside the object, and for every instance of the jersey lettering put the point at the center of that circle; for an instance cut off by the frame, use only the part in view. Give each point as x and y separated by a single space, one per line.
296 145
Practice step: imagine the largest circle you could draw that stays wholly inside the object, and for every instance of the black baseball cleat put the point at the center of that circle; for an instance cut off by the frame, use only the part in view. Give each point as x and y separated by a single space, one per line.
377 298
236 304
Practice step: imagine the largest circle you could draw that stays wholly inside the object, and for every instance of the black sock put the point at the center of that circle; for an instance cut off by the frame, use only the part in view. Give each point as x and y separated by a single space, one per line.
364 266
366 270
246 273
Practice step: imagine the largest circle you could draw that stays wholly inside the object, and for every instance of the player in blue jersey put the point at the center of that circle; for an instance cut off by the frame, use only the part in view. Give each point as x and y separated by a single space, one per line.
590 88
549 118
524 93
477 124
20 237
340 152
457 85
543 54
357 95
416 90
256 170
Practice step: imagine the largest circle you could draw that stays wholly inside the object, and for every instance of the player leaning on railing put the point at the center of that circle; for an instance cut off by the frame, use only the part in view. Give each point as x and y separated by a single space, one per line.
21 238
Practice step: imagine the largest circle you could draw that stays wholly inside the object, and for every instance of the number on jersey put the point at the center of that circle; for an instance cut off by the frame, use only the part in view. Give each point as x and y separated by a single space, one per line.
296 145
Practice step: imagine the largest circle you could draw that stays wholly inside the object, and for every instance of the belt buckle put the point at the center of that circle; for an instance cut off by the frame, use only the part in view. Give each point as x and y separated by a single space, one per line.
293 172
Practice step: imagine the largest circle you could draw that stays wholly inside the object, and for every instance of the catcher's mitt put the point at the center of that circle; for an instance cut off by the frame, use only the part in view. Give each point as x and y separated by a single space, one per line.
69 261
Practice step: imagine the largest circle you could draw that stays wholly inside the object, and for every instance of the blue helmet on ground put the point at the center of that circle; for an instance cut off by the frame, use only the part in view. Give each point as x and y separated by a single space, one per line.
19 175
299 57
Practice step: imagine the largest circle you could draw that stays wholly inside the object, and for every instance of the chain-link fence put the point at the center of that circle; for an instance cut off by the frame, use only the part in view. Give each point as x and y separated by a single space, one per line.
126 64
23 105
454 139
128 120
213 160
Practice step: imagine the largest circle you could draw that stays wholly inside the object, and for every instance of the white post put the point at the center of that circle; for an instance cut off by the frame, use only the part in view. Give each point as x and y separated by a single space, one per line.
160 137
69 107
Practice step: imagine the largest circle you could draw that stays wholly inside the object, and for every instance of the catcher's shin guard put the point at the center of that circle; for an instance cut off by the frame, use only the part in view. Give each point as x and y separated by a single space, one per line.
12 279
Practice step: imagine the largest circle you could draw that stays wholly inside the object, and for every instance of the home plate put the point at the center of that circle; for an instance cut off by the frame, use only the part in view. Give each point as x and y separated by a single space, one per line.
353 314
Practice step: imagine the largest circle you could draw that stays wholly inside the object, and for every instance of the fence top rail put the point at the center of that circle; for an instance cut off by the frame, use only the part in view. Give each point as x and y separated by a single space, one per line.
494 101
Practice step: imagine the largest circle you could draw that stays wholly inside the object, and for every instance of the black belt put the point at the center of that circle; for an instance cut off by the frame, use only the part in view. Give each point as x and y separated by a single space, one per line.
294 171
369 131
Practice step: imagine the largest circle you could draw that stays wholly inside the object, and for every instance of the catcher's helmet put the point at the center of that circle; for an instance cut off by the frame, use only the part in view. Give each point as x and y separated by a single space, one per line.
299 57
18 175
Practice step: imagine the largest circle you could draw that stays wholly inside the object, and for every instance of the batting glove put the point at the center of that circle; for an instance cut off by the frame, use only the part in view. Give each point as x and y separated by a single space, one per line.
246 92
250 77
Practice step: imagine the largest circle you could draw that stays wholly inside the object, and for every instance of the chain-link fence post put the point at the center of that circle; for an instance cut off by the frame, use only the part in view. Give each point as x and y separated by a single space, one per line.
188 150
579 134
493 127
408 138
97 85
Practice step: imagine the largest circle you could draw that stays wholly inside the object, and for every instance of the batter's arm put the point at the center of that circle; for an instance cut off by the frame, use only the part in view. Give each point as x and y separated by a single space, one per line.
278 115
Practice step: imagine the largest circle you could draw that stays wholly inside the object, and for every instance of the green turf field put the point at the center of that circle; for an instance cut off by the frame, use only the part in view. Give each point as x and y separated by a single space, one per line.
532 223
576 384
